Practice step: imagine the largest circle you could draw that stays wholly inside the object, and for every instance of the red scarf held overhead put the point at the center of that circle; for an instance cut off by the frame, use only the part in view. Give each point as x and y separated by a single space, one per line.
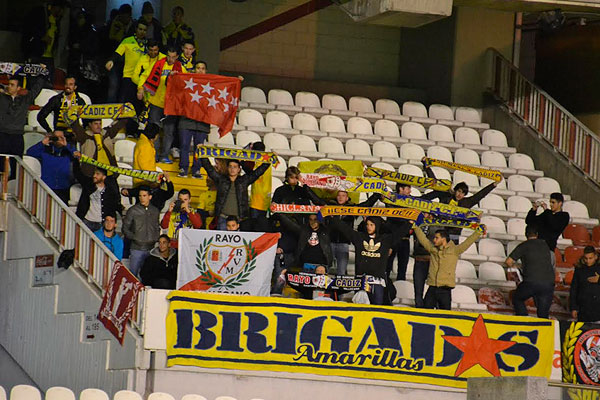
151 84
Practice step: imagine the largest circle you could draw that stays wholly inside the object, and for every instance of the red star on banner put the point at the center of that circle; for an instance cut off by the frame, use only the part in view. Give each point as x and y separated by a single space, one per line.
478 349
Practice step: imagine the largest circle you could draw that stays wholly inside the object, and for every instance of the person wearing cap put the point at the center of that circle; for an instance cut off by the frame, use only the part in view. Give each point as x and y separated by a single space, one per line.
372 252
108 234
442 269
232 190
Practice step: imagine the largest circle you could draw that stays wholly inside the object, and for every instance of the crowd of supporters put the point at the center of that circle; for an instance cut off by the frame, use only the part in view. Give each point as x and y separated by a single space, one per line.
122 56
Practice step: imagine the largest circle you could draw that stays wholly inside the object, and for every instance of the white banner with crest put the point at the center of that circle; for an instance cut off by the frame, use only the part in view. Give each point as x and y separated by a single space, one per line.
226 262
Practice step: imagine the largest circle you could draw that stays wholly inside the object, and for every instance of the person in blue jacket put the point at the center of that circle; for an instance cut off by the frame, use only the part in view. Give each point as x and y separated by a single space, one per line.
109 236
55 156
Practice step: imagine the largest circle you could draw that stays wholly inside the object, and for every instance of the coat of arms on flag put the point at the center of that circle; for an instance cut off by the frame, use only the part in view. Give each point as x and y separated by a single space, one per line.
226 262
208 98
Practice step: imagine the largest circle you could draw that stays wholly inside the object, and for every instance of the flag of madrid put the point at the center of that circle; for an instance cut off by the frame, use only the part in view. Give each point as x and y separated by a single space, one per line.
204 97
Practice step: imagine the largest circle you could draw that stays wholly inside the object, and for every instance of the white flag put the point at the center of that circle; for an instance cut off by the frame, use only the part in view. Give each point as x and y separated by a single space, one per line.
226 262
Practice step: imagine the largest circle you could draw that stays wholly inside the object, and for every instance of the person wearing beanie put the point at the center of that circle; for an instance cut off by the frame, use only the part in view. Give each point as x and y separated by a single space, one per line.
372 250
154 31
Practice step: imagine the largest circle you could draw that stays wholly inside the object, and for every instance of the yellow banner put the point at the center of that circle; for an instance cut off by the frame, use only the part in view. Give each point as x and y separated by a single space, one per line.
405 213
483 172
443 185
361 341
339 168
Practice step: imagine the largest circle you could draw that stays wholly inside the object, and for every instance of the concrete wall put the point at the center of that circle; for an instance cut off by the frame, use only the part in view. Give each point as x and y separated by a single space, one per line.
11 373
476 30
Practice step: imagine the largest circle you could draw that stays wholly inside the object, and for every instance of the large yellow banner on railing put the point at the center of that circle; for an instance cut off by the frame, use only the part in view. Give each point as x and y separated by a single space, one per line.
352 340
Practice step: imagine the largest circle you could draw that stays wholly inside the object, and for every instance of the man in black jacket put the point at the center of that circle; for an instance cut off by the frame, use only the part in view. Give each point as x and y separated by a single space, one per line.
13 115
584 297
159 270
340 245
314 244
232 190
97 199
372 250
552 222
58 105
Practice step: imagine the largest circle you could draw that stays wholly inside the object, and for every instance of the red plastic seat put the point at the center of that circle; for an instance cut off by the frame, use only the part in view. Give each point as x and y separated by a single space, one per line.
569 277
578 234
573 254
596 235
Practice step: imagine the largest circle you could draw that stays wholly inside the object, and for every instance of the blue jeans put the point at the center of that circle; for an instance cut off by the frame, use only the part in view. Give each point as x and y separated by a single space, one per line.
401 251
340 253
420 273
156 115
185 137
376 294
288 260
136 260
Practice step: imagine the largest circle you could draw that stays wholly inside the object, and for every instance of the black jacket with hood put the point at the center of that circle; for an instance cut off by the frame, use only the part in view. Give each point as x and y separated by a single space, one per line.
303 233
159 272
585 296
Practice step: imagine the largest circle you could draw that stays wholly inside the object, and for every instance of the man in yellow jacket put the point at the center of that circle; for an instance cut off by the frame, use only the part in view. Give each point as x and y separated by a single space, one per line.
144 153
442 268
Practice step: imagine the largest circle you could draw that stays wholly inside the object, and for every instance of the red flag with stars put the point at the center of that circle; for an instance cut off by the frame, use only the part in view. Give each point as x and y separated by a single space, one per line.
204 97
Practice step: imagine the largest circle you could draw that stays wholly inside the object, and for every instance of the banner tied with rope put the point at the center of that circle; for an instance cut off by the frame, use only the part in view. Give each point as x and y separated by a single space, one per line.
150 176
482 172
438 209
345 183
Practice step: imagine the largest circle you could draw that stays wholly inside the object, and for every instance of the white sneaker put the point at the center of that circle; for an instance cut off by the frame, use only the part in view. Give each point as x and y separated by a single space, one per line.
175 152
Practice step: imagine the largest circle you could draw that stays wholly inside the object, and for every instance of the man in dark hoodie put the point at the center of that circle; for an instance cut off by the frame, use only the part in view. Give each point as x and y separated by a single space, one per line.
584 298
160 267
551 222
314 244
372 252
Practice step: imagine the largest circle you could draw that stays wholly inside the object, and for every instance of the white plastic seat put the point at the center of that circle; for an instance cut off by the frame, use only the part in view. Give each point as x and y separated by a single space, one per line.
501 185
440 111
334 102
387 106
226 139
242 138
518 204
493 202
387 128
276 142
280 97
124 150
465 269
225 398
93 394
441 133
510 246
441 173
576 209
360 150
25 392
307 99
127 395
305 122
275 183
160 396
404 290
520 161
413 130
466 135
411 151
303 143
466 156
387 151
493 224
33 123
124 181
278 119
360 104
250 117
85 97
253 95
516 226
383 165
32 138
493 159
193 397
2 393
494 138
44 96
439 153
410 170
414 109
294 161
547 185
360 126
34 164
491 271
74 194
520 183
463 294
332 123
467 114
471 180
331 145
492 248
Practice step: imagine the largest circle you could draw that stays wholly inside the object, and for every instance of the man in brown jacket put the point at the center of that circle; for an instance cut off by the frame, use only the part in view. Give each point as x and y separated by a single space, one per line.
442 268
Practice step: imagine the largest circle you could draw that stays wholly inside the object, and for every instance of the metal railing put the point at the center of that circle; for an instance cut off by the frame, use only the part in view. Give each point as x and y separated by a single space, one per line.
61 225
572 139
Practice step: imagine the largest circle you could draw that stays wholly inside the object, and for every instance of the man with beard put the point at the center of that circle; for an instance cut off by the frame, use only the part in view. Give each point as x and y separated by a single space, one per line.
58 105
108 234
